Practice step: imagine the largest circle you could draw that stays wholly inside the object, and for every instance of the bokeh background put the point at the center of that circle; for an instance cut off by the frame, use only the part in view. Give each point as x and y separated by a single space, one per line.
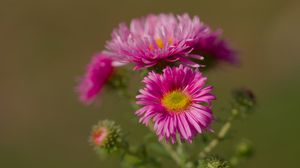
46 44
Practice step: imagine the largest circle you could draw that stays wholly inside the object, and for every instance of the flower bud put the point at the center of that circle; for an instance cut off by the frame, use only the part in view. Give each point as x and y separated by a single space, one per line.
245 99
119 80
213 162
244 149
106 136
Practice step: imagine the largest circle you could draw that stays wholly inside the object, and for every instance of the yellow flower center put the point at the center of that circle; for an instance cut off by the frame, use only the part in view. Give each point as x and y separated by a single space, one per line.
159 43
175 101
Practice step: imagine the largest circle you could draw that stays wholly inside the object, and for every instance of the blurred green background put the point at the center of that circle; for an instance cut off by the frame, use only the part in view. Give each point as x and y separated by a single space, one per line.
46 44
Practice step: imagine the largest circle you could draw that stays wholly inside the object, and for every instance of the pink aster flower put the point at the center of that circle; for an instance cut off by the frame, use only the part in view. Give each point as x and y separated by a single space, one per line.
177 102
157 39
214 48
98 73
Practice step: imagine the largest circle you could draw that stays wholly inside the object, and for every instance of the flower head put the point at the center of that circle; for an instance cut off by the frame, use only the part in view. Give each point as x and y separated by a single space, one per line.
177 102
214 48
157 39
98 73
106 135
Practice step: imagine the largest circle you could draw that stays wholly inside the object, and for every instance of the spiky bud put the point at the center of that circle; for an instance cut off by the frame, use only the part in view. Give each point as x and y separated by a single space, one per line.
106 136
245 99
213 162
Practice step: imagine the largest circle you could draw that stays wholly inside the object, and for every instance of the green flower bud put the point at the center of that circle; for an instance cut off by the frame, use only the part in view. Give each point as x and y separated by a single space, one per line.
106 136
244 149
245 99
119 79
213 162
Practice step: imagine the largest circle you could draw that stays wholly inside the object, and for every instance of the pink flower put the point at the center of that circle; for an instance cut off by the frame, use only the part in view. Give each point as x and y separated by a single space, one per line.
98 73
157 39
177 102
214 47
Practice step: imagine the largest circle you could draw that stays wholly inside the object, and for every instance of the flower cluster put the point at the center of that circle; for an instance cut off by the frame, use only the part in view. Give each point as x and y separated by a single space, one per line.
166 38
171 49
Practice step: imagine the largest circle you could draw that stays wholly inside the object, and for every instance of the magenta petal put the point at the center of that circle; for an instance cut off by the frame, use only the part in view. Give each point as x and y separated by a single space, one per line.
98 72
214 46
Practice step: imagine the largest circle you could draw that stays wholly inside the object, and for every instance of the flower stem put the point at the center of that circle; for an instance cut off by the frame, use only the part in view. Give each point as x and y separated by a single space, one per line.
172 153
222 133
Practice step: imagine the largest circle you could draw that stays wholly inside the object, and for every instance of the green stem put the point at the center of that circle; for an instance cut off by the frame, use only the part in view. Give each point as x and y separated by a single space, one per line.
173 154
220 136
